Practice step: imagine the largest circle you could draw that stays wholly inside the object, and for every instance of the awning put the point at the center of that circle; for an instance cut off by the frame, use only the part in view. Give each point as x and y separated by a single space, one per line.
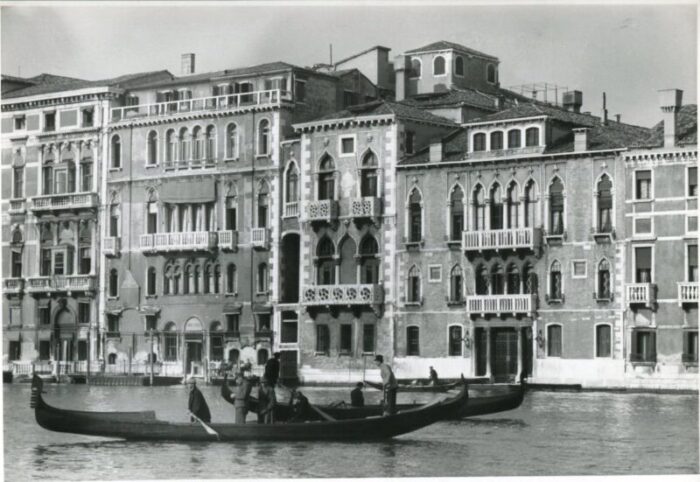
195 191
259 308
232 308
12 335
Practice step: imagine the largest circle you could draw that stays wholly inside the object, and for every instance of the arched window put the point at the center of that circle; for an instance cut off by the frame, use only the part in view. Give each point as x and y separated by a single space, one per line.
456 284
262 356
233 356
513 280
604 280
264 137
412 341
170 147
496 197
47 179
210 154
184 150
217 279
455 341
263 203
413 288
556 206
113 283
603 341
491 73
262 278
415 217
554 340
479 217
152 148
532 136
479 142
112 359
325 262
167 280
197 144
514 138
187 280
292 188
513 207
348 263
326 178
459 66
497 279
231 280
368 175
497 141
176 279
416 69
231 142
206 284
529 279
482 280
151 281
605 204
369 261
196 276
555 281
530 200
170 342
116 152
439 65
456 213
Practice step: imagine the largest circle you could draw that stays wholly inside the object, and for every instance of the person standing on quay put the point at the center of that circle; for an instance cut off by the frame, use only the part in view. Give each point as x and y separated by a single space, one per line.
389 384
196 403
272 369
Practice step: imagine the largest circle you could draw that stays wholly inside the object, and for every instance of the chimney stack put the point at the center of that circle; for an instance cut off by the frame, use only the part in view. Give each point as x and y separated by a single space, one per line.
435 151
581 139
573 100
618 117
670 101
402 65
187 64
605 110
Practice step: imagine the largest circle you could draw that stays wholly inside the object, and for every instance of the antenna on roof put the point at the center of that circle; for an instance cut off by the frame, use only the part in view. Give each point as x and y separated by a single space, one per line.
331 49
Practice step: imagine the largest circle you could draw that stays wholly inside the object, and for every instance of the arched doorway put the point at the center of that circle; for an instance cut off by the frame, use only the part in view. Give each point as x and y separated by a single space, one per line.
64 318
194 335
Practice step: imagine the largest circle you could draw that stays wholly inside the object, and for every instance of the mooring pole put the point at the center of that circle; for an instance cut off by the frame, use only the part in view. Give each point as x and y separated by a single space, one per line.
151 356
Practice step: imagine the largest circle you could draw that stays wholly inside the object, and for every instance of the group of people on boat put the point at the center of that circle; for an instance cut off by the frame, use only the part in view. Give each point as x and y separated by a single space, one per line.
301 409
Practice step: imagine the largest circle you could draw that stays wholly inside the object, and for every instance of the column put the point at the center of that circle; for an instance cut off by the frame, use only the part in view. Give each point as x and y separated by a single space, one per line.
487 215
468 222
521 212
93 247
518 332
488 351
546 213
76 250
93 181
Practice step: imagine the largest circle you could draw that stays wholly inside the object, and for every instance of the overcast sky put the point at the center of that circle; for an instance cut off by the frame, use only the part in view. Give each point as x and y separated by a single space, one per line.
628 51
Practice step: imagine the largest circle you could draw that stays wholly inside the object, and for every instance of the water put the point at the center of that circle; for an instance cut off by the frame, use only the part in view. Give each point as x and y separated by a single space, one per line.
550 434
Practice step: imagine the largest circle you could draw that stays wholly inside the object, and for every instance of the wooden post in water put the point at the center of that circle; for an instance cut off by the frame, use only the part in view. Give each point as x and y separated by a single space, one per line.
151 357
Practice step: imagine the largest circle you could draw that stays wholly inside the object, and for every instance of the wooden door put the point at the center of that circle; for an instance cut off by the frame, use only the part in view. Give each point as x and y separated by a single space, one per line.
504 353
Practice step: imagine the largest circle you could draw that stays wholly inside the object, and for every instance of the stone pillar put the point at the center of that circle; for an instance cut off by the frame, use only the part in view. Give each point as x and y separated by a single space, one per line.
488 351
518 332
521 212
487 215
75 227
93 247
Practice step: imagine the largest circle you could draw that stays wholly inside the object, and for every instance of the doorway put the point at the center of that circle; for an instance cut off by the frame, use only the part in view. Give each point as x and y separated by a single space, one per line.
193 356
504 354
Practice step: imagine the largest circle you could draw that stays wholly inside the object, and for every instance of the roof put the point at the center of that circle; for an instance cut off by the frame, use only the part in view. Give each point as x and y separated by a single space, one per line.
444 45
454 145
12 78
376 47
383 107
453 97
532 109
686 129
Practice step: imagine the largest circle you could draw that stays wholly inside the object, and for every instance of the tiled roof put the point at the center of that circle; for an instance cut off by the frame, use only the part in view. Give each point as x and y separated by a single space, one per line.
532 109
383 107
453 97
13 78
686 129
454 145
444 45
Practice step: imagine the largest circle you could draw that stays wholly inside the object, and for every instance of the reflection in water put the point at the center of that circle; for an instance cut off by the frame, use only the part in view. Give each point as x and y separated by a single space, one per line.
509 422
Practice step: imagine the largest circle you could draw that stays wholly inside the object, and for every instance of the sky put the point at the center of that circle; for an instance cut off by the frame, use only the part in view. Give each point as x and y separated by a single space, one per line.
627 51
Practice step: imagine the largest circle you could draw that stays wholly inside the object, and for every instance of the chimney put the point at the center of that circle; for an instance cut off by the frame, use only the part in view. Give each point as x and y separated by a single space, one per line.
618 117
401 68
605 110
187 64
670 101
573 100
435 151
581 139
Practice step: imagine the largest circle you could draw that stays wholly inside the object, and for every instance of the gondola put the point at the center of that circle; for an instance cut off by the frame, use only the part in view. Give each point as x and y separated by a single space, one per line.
485 405
145 425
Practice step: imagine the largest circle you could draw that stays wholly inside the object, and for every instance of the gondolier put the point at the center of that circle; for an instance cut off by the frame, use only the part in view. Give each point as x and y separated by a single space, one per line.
389 385
240 397
196 403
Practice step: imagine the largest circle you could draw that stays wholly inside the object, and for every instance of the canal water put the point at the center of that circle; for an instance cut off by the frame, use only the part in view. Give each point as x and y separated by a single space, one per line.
552 433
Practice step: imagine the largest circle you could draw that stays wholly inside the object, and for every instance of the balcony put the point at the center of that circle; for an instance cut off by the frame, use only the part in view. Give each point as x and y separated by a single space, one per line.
641 294
61 283
111 246
57 202
260 238
323 211
365 207
227 240
688 292
229 102
342 295
17 206
184 241
39 284
291 210
189 164
14 286
501 304
502 239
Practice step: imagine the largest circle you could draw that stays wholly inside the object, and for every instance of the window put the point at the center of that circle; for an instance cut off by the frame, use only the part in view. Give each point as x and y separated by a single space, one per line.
323 339
20 123
604 280
439 65
292 188
532 137
514 138
554 340
643 346
579 269
217 347
231 281
170 340
325 262
410 142
555 281
113 323
263 201
345 338
456 214
642 264
347 145
491 74
498 279
264 137
88 117
479 142
326 179
233 323
15 349
49 121
151 282
16 263
605 204
184 146
416 67
642 185
456 284
262 278
479 204
693 263
415 217
300 90
276 84
413 291
116 152
289 327
47 180
112 359
369 261
455 341
152 148
412 341
151 322
513 206
44 315
459 66
113 283
86 168
692 181
170 148
513 279
197 144
18 182
349 98
45 268
231 213
83 312
368 338
496 197
690 346
210 144
114 220
496 141
556 207
603 341
368 176
434 274
44 350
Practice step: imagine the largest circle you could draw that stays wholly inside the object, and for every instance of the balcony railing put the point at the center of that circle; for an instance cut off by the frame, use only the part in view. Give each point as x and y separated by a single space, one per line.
643 357
202 104
39 284
323 295
57 202
259 238
14 285
183 241
17 206
76 282
189 163
227 240
688 292
111 246
291 210
326 210
520 238
690 358
365 207
641 293
497 304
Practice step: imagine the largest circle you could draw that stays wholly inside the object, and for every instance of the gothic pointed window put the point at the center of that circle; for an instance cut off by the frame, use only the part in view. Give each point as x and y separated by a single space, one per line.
456 213
556 206
496 216
555 281
605 205
369 261
368 175
415 217
326 264
604 284
413 288
479 206
326 179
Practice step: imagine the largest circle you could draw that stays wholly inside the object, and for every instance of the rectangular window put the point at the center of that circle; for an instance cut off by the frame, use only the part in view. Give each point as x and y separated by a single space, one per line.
85 260
643 185
300 91
642 226
59 263
693 263
170 347
44 315
345 338
554 341
434 274
50 121
347 146
45 262
642 263
151 322
603 342
15 351
18 184
114 222
263 322
412 341
368 338
692 181
410 142
113 323
83 312
20 123
323 339
82 350
276 84
349 98
690 346
88 115
643 346
232 323
579 269
231 213
455 342
217 347
289 327
44 350
16 264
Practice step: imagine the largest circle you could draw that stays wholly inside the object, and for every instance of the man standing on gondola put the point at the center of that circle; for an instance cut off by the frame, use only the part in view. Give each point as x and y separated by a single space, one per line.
266 402
196 404
272 369
389 385
241 397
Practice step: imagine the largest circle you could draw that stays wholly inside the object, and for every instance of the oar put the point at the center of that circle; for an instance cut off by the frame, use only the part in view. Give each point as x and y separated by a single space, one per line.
313 407
209 430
